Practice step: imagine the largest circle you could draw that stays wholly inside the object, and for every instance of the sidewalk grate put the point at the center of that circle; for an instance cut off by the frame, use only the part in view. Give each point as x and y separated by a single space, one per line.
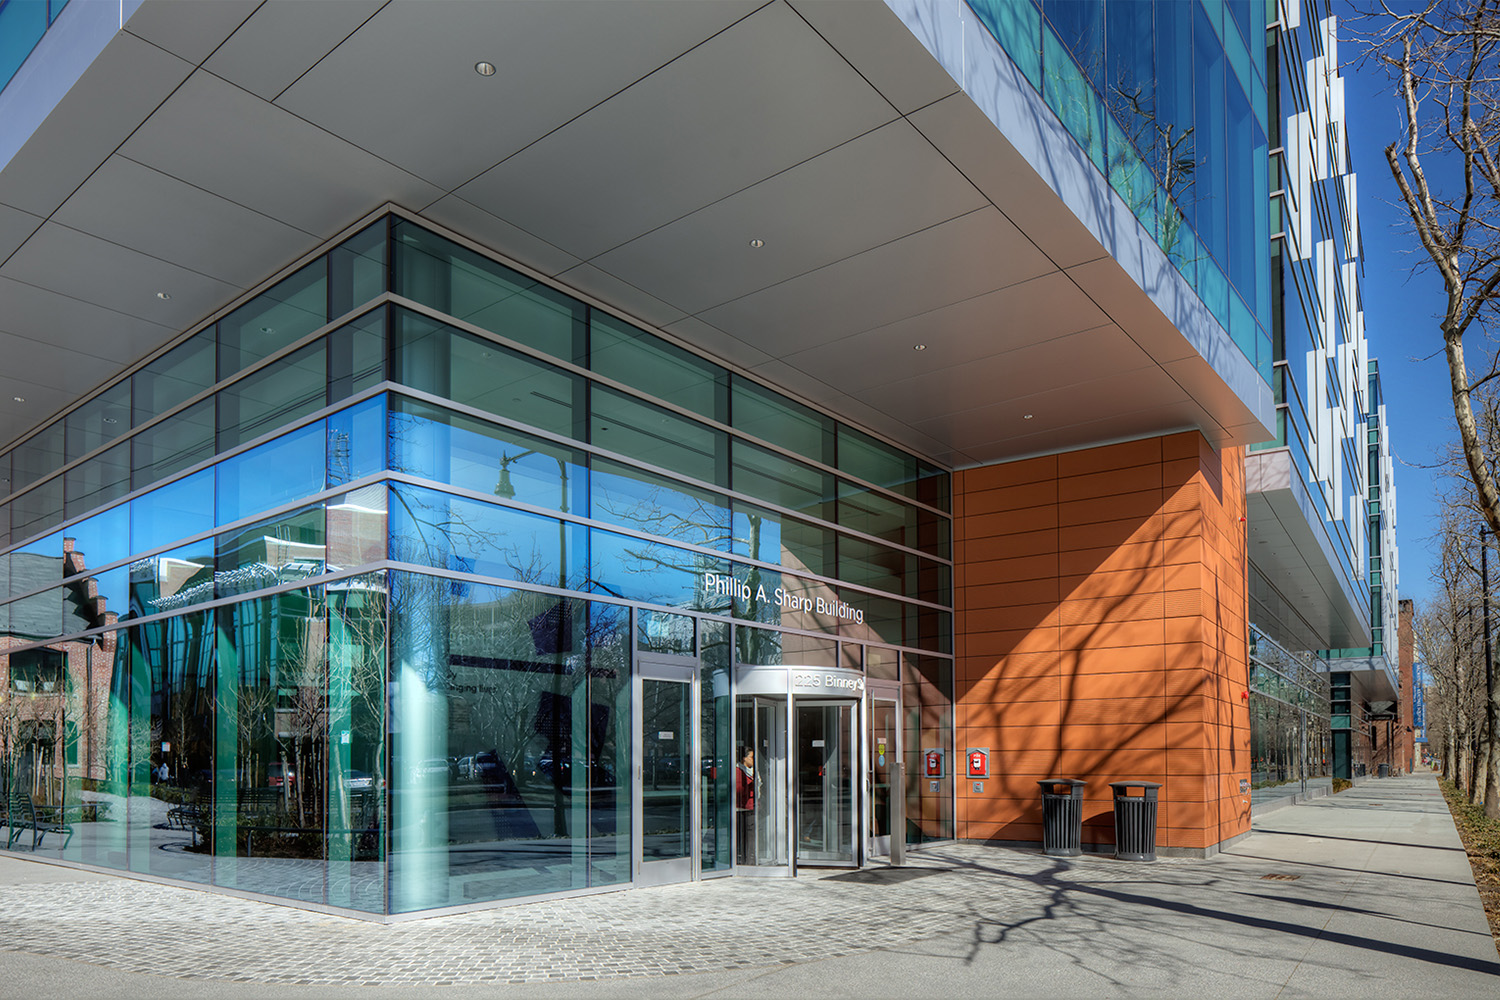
1280 877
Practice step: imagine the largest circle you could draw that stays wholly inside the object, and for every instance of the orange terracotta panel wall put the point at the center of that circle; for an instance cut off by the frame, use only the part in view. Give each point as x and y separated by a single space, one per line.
1101 616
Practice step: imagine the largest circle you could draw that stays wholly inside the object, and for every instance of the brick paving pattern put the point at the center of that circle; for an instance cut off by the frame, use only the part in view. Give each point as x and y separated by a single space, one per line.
707 926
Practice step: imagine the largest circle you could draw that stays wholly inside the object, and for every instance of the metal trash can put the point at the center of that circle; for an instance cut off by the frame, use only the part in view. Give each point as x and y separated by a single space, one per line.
1062 817
1383 771
1135 820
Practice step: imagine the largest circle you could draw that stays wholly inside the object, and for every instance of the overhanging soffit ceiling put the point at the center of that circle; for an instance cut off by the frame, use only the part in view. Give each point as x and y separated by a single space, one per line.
630 150
1298 593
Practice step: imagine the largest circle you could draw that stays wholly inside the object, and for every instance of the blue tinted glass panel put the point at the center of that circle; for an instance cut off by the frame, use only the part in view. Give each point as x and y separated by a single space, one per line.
356 441
289 468
448 447
435 529
1017 27
173 511
1079 25
655 505
1071 97
654 572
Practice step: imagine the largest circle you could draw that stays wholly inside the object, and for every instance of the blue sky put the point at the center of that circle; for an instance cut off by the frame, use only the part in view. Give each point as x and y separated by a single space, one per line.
1401 314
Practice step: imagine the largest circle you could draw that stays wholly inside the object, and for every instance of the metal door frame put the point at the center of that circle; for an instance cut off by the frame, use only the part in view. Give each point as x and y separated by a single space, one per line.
856 749
880 691
678 670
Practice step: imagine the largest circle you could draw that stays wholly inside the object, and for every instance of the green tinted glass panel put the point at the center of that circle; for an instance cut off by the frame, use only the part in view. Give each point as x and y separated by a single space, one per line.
439 273
665 371
439 359
650 434
770 416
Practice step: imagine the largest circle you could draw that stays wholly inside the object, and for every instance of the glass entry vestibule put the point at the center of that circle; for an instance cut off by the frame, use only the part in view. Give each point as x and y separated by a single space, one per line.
801 781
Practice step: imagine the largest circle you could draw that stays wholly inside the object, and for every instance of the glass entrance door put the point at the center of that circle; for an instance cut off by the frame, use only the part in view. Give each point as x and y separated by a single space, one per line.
884 751
762 837
826 765
666 778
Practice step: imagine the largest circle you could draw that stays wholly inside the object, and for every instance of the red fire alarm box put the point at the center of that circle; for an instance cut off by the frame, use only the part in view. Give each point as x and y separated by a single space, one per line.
978 760
934 759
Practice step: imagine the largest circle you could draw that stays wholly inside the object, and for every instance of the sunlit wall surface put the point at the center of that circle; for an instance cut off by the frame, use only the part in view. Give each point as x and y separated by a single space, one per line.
337 599
1168 98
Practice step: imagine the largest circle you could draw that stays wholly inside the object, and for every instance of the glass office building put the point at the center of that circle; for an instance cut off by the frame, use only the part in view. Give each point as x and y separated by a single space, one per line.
412 582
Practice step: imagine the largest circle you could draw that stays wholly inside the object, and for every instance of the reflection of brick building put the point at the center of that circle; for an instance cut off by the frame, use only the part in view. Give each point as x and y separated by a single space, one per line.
55 697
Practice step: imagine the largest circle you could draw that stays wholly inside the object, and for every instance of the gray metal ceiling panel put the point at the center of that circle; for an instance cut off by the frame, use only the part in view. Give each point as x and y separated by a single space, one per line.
713 122
71 324
190 31
718 343
281 41
969 427
621 294
116 277
1022 315
133 205
882 49
497 234
877 188
15 227
222 139
404 87
957 127
1024 372
964 257
128 80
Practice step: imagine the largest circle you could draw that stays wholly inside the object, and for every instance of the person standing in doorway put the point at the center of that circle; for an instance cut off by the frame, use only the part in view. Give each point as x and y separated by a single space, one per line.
744 804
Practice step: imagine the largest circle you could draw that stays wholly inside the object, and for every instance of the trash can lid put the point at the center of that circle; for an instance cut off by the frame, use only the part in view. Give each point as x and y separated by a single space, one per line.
1148 788
1072 782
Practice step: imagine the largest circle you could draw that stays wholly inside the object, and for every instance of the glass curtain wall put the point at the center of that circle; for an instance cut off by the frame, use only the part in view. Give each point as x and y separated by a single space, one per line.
1290 734
359 631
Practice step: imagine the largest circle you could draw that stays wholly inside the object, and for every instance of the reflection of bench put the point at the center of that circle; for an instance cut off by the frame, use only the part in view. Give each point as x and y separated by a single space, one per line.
22 814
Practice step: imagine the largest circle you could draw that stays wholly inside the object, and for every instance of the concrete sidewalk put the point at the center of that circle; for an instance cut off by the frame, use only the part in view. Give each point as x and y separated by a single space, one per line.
1372 896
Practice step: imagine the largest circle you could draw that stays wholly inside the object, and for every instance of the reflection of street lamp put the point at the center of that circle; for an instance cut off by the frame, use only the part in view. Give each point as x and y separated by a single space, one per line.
506 491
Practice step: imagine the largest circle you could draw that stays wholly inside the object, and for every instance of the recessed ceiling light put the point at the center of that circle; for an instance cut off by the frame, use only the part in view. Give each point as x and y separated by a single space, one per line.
268 329
1026 416
757 243
110 420
164 296
19 399
919 347
484 68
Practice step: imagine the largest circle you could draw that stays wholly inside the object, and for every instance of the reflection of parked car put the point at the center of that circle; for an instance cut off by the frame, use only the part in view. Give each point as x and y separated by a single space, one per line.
357 781
279 773
486 768
431 769
466 768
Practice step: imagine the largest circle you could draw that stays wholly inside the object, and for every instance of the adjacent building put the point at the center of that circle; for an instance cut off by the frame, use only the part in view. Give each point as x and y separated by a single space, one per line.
468 452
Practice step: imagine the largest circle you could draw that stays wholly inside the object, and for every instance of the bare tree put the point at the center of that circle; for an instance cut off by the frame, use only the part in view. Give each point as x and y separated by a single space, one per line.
1443 59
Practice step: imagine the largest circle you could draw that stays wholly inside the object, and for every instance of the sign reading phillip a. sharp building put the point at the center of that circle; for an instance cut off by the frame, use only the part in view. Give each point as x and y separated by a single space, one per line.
722 585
